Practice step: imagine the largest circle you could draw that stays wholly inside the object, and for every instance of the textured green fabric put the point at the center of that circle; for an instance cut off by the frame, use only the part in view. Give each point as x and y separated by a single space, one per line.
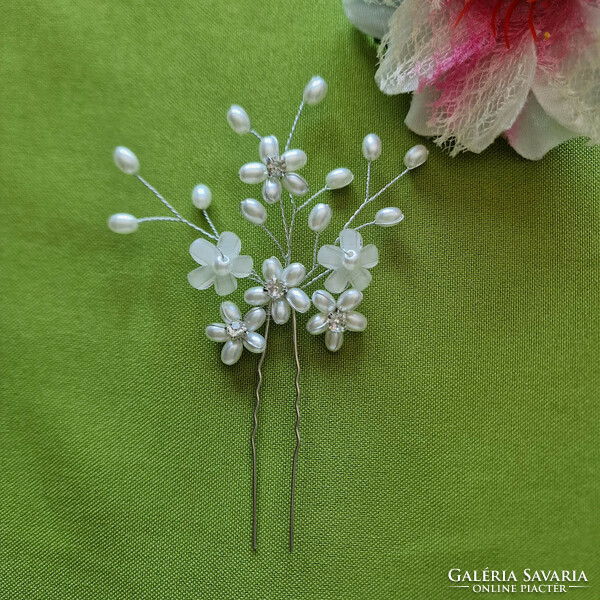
460 430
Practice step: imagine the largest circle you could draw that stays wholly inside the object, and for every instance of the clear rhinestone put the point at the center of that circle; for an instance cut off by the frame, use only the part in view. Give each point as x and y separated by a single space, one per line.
275 289
276 166
337 321
236 329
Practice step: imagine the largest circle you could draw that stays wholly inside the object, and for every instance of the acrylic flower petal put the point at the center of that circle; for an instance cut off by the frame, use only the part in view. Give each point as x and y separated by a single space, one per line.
360 278
231 352
241 266
371 19
350 239
280 310
334 340
217 332
298 300
330 256
355 321
323 300
535 132
225 284
254 342
338 281
256 296
369 256
293 275
272 268
255 318
229 244
203 252
349 300
317 324
230 312
201 278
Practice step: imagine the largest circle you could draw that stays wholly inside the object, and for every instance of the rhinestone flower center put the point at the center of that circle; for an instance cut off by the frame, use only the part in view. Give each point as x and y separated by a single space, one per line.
276 166
236 329
337 321
275 288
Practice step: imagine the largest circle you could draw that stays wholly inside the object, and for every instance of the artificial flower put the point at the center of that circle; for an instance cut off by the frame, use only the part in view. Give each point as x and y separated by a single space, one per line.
276 169
280 290
237 333
221 264
350 262
528 69
336 317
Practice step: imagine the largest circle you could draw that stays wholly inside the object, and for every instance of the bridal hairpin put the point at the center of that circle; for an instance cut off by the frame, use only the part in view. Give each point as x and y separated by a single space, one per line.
279 291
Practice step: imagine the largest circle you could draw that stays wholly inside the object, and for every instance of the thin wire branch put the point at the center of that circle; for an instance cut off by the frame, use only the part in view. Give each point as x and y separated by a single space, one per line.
252 443
174 211
365 225
210 223
368 180
317 278
255 276
312 198
268 232
287 232
289 141
296 428
314 265
369 200
149 219
256 134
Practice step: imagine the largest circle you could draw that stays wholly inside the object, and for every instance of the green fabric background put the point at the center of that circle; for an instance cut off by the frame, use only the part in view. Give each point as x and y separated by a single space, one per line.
460 430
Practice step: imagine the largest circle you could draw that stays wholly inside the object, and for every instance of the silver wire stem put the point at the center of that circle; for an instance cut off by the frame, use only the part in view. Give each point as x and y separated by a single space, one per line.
315 248
210 223
174 211
297 429
289 141
255 134
316 278
287 232
313 197
150 219
268 232
254 428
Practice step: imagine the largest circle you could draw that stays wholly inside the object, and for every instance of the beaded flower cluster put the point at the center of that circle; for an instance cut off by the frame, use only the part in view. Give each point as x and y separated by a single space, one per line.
279 291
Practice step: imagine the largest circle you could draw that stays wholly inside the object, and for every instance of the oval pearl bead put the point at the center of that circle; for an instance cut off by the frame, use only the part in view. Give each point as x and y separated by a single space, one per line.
126 160
334 340
349 300
294 159
416 156
238 119
371 147
253 173
319 217
268 148
315 90
355 321
387 217
231 352
253 211
201 197
256 296
295 184
272 190
254 342
122 223
339 178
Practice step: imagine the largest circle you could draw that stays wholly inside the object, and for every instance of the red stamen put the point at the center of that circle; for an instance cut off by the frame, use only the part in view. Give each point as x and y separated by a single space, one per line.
462 12
494 15
511 9
531 23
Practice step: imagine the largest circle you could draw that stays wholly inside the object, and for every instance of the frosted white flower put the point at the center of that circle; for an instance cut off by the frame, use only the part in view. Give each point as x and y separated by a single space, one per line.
238 333
336 317
280 290
275 170
350 262
221 264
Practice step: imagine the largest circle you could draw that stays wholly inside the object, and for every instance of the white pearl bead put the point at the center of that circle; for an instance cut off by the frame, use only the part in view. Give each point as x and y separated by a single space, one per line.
268 148
334 340
416 156
386 217
339 178
231 352
238 119
293 275
253 211
295 184
253 173
351 259
355 321
349 300
254 342
371 147
315 90
126 160
201 197
122 223
294 159
271 190
256 296
222 265
272 268
298 300
319 217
